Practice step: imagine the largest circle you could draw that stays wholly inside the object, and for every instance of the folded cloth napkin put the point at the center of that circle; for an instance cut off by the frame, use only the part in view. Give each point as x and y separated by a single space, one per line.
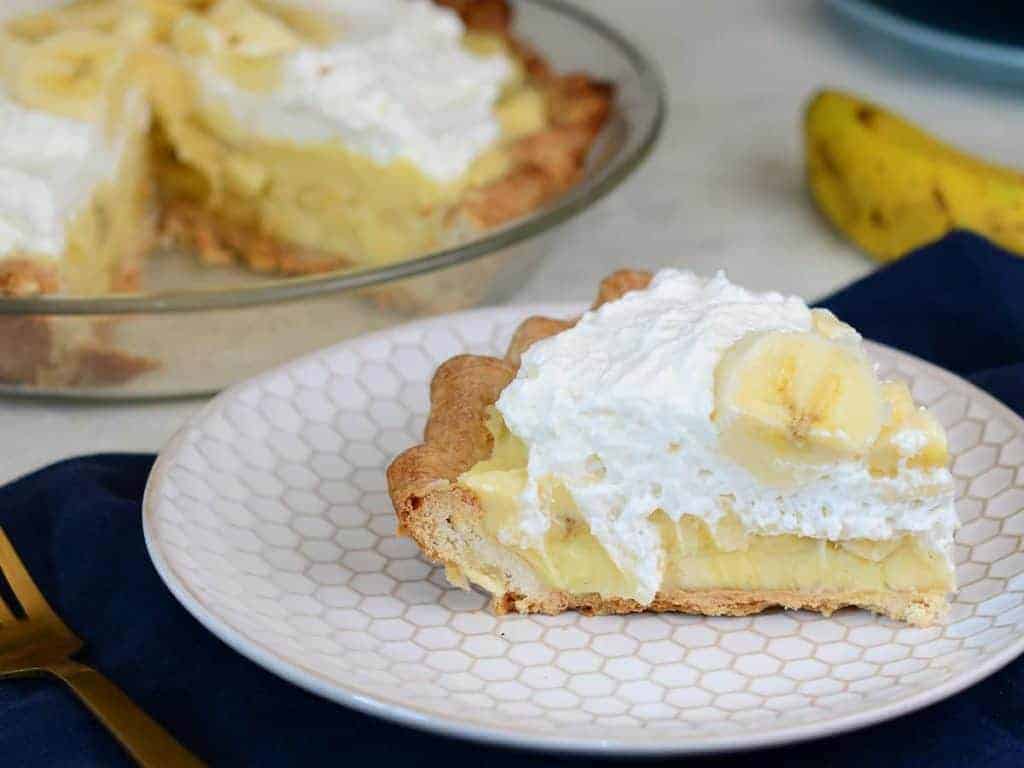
77 526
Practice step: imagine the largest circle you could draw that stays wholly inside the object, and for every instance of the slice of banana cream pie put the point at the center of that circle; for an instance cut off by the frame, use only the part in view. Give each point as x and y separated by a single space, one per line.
687 445
75 213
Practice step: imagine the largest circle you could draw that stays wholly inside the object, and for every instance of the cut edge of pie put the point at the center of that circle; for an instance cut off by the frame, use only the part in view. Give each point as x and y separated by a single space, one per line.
446 518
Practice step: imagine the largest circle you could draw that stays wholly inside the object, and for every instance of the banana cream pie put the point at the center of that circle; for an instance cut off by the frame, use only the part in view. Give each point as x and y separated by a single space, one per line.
687 445
74 172
393 128
75 186
291 137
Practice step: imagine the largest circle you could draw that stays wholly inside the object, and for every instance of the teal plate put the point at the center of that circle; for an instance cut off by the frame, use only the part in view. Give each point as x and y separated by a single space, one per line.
980 40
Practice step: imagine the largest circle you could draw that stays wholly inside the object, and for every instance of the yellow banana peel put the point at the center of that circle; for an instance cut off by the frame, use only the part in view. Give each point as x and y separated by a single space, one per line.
891 187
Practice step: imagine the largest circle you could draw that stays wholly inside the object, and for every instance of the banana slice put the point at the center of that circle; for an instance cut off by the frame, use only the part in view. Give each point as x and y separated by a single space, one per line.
68 73
910 435
164 14
136 25
834 329
247 31
790 400
99 15
193 35
243 42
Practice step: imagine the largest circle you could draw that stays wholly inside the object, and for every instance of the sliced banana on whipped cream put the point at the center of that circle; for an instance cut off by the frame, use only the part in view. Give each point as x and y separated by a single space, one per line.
68 73
784 399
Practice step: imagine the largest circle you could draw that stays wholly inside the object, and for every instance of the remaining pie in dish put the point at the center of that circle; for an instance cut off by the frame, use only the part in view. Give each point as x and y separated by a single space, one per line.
75 187
687 445
75 208
301 144
263 132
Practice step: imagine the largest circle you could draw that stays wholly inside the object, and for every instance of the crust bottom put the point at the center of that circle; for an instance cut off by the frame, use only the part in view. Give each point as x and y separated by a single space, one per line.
46 351
916 608
54 350
24 276
219 242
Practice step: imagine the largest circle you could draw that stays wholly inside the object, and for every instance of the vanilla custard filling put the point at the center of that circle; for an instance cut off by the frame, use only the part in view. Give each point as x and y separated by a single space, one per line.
681 435
694 554
359 145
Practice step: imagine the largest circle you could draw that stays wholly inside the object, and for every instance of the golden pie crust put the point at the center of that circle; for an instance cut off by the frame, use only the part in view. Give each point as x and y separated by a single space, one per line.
446 519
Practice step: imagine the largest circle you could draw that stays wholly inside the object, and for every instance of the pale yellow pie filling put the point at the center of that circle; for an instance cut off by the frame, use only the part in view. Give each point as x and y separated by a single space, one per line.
108 236
319 196
696 557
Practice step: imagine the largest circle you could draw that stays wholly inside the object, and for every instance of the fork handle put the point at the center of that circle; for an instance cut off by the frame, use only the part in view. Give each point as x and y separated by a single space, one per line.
146 741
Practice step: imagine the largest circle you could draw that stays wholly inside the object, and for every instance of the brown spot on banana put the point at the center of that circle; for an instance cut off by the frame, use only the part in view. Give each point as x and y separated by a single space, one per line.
943 205
828 162
866 116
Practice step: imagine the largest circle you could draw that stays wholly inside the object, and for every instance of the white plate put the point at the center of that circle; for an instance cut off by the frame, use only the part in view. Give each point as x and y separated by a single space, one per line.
268 518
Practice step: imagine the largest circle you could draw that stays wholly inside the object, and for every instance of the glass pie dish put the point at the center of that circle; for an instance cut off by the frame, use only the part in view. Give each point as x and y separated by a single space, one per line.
194 329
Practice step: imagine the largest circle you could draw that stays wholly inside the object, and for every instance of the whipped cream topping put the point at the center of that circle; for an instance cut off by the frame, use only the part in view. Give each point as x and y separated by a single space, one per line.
398 84
619 409
49 166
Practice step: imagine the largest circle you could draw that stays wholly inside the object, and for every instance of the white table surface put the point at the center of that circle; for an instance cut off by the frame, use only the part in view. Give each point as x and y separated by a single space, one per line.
724 189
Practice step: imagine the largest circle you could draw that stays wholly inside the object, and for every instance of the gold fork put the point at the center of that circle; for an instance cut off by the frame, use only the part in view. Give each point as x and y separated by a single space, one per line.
41 644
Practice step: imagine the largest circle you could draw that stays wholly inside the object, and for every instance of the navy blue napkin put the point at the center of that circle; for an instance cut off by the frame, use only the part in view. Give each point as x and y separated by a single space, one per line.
77 525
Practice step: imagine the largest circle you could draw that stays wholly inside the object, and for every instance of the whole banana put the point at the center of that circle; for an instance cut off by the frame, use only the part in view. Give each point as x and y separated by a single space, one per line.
891 187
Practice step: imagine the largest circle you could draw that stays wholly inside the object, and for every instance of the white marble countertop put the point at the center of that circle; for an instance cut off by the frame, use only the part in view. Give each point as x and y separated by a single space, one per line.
723 189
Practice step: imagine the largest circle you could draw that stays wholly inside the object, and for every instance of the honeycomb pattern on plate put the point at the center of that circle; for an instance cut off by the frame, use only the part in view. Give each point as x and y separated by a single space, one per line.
268 516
